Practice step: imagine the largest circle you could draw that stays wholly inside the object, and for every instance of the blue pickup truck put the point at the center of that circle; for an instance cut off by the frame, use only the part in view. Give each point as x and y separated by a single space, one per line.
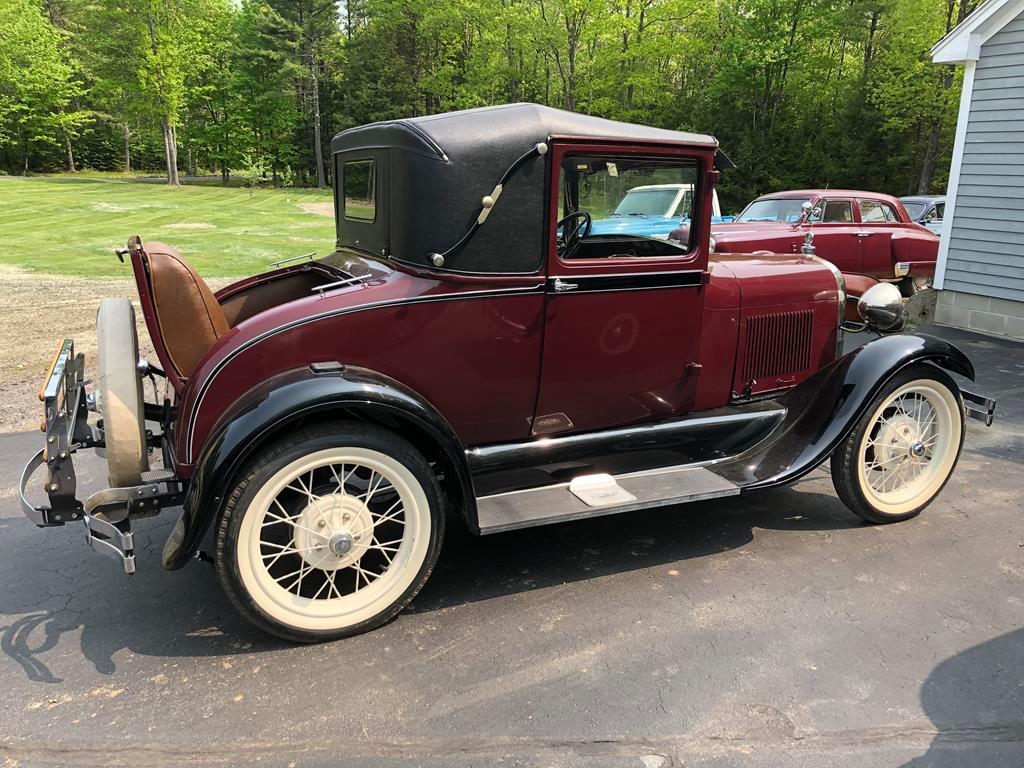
654 211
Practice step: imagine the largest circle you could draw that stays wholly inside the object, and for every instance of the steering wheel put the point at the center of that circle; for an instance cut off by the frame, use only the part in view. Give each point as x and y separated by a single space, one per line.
571 236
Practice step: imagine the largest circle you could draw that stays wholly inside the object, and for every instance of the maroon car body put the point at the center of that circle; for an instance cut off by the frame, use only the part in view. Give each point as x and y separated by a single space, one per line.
496 339
865 233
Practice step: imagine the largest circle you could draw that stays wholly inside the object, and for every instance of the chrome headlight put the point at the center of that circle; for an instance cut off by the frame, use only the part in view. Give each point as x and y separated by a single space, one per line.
881 307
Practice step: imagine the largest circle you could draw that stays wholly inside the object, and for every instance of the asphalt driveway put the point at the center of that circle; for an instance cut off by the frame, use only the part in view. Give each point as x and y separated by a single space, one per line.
771 630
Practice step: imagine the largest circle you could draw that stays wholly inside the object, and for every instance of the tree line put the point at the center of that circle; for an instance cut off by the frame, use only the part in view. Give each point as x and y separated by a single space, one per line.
800 93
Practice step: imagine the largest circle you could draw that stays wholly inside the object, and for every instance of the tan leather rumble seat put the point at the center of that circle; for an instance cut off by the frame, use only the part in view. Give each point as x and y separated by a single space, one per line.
189 317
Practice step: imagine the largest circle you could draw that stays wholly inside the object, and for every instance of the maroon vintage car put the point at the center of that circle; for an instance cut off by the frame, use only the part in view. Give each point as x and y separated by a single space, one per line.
473 347
865 233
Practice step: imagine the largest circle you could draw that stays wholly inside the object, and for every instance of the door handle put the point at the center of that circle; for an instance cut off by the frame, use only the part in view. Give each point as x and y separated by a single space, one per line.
561 286
865 234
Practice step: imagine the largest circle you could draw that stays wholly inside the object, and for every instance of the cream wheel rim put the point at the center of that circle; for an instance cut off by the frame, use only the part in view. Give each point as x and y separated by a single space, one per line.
333 538
909 447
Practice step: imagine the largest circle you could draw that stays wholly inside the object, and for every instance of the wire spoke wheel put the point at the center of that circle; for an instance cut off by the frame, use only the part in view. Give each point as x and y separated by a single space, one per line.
904 450
333 539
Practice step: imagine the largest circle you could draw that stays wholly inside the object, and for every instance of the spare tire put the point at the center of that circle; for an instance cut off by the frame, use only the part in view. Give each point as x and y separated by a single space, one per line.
119 393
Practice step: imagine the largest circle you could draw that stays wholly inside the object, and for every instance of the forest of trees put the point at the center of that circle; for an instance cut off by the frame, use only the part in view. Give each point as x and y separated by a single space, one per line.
799 92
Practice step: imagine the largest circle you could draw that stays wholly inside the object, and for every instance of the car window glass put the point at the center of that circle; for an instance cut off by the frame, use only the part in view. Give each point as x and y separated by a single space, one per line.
638 207
774 209
873 212
833 212
889 212
936 213
360 187
914 210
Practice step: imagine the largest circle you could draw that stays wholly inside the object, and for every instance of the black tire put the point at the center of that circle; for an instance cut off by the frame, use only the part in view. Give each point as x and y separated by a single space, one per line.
271 460
846 460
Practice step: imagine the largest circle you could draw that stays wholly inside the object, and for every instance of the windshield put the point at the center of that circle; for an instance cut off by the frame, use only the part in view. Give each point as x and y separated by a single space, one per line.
914 209
774 210
646 202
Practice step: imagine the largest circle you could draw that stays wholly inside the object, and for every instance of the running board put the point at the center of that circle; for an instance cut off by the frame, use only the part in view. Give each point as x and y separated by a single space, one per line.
559 503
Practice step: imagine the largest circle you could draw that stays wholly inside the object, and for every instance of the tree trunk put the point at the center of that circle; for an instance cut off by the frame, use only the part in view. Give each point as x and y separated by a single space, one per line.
321 182
171 152
127 148
931 154
71 154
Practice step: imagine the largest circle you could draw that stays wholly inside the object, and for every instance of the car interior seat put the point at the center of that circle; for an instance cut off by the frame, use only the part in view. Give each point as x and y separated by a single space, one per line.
188 316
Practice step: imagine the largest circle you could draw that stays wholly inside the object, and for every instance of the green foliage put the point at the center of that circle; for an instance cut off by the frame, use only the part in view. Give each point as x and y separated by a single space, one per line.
799 92
37 84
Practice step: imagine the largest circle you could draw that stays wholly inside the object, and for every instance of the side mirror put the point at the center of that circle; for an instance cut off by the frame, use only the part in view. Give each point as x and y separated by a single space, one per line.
881 307
808 210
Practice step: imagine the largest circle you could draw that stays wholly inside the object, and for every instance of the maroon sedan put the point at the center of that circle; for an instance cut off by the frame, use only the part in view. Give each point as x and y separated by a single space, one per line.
474 353
865 233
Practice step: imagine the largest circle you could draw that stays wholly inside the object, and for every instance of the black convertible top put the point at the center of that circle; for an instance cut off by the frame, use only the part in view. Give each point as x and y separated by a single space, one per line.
432 172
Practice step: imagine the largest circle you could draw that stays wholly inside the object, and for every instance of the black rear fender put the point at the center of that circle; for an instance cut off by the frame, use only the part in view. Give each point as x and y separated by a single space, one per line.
291 399
823 410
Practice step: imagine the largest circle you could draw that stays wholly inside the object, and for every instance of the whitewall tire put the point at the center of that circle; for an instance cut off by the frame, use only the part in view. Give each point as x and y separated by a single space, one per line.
330 532
904 448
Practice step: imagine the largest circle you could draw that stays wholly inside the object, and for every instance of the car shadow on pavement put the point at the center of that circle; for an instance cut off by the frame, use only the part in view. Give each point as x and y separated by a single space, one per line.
62 587
480 568
975 701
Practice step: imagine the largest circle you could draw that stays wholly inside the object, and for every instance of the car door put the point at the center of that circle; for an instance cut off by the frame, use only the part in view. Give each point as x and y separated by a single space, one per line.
623 311
835 237
877 220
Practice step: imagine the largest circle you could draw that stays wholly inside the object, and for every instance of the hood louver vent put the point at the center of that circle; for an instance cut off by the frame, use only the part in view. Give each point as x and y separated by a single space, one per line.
777 347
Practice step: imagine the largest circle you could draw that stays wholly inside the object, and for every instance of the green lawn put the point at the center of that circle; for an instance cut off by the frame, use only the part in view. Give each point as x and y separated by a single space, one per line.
70 225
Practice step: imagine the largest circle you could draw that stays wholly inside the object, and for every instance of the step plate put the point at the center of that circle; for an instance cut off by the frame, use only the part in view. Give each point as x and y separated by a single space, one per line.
556 504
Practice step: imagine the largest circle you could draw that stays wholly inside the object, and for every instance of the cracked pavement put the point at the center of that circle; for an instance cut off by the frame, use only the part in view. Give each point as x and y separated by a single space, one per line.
774 630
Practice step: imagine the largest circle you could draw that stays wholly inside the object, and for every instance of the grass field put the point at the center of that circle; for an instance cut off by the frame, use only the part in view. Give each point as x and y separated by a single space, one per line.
70 225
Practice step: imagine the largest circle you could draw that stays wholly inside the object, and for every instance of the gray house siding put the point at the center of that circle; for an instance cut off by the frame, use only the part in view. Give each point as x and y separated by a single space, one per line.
983 284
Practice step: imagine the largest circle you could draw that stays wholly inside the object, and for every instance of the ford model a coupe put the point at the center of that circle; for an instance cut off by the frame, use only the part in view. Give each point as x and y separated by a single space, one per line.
474 346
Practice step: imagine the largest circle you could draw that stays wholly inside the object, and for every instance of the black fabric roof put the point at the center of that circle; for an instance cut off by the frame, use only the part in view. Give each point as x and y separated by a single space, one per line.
519 125
431 173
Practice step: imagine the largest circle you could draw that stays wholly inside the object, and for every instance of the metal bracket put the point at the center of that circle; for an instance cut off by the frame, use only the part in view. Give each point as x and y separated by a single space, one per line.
112 539
108 516
979 407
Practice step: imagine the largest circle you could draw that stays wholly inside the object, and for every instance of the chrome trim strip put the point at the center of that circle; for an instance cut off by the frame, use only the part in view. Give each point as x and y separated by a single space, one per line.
484 455
634 281
455 296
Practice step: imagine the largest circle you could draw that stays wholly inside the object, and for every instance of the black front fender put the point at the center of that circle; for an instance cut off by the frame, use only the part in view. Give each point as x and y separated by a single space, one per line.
284 400
825 408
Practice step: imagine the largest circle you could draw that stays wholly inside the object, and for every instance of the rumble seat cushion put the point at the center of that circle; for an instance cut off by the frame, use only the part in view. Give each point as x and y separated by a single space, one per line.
189 317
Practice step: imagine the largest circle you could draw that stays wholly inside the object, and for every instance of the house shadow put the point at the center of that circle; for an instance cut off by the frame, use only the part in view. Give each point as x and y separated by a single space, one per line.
63 588
975 700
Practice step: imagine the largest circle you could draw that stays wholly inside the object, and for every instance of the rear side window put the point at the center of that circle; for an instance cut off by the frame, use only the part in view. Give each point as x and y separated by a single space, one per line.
936 213
876 212
834 212
359 179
